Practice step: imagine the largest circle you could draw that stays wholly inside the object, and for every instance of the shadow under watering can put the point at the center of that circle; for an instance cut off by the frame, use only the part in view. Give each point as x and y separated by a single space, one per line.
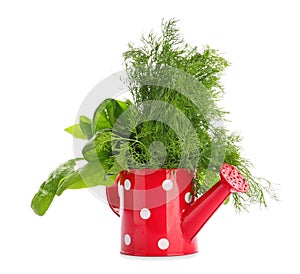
159 215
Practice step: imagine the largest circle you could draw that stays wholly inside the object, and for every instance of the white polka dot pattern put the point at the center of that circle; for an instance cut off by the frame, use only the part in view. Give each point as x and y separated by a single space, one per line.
163 243
188 197
145 213
167 185
127 239
151 205
127 184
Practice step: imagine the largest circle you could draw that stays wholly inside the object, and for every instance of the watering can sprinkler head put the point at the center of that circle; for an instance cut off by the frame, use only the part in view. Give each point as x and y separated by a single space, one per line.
233 179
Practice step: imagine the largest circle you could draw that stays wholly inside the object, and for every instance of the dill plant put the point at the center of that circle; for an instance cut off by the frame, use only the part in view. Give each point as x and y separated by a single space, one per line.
169 50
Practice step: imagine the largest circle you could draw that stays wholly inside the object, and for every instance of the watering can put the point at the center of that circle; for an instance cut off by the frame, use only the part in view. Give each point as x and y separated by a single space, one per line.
160 215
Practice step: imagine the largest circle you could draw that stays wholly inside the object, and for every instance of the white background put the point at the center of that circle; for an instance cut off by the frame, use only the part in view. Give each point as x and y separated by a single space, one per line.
52 53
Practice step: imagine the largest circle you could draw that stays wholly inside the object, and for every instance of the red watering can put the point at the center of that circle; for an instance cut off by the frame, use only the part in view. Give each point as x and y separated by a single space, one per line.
159 215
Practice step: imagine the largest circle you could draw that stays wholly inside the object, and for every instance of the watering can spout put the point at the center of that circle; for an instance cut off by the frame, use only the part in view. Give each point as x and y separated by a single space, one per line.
199 212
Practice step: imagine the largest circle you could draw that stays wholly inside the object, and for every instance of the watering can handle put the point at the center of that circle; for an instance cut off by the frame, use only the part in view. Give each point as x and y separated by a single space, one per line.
113 198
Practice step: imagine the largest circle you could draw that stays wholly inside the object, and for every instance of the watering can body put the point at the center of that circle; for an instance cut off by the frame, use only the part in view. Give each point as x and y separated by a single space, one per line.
160 215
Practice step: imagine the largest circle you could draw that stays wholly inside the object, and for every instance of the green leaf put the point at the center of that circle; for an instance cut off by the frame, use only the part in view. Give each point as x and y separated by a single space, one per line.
44 197
76 131
89 151
107 113
109 180
91 174
112 173
86 126
115 168
99 148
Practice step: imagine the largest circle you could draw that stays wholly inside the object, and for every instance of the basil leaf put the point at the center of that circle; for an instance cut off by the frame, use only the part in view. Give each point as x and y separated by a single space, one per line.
89 151
44 197
99 148
110 179
86 126
107 113
112 173
91 174
115 169
76 131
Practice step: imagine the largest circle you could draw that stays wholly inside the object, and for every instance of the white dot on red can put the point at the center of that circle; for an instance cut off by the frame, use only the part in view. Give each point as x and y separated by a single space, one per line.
163 243
127 184
145 213
188 197
167 185
127 239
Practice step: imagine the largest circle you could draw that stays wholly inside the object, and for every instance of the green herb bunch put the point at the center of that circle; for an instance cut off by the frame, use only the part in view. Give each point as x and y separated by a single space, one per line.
145 63
174 121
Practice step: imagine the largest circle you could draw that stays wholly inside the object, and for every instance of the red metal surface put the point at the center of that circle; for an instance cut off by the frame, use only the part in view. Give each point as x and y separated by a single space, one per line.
158 215
203 208
113 197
